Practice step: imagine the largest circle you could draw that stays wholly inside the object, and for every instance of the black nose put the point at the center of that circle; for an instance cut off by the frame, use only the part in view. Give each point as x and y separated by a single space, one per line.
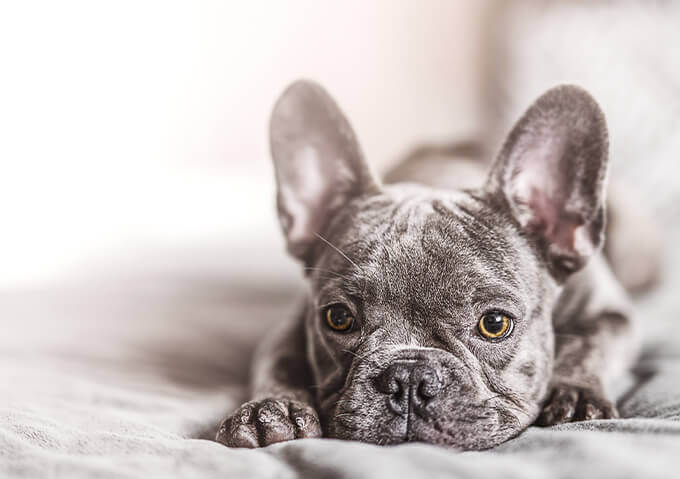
410 385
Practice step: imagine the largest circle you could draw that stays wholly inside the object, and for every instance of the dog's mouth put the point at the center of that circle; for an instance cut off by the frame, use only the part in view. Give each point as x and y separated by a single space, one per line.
451 420
419 396
467 430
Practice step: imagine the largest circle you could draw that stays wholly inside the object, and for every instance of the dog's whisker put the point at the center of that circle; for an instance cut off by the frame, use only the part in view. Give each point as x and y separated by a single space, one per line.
491 398
327 278
338 250
360 357
343 414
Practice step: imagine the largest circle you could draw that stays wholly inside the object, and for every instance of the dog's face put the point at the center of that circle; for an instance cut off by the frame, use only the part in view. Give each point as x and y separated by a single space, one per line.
429 313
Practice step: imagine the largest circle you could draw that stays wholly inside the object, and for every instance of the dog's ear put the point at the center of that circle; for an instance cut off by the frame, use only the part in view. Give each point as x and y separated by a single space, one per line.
318 163
551 175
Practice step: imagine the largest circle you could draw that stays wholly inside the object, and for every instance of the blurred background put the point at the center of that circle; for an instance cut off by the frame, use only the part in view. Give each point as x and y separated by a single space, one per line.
134 133
138 129
135 178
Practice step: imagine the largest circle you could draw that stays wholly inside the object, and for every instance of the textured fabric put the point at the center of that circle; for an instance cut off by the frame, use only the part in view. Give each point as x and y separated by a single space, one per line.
118 377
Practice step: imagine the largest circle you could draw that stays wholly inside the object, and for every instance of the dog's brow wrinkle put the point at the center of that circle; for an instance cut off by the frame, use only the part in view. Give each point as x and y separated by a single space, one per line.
484 294
322 270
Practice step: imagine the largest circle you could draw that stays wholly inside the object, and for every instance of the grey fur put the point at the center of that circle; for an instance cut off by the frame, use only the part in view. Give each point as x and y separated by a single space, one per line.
417 266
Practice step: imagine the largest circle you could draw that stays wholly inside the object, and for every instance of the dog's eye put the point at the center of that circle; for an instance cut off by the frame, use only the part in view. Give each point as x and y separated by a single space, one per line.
495 325
339 318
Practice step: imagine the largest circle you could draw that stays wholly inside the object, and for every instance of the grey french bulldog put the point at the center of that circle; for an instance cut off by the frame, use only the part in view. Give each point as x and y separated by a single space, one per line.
458 311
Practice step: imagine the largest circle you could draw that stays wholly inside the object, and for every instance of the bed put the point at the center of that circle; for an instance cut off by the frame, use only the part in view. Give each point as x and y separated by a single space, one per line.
131 373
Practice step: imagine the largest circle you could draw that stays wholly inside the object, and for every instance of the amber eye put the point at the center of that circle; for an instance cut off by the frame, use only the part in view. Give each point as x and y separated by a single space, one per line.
495 325
339 318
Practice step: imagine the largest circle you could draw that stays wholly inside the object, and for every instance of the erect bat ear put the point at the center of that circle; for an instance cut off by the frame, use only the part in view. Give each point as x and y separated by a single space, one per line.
551 172
318 163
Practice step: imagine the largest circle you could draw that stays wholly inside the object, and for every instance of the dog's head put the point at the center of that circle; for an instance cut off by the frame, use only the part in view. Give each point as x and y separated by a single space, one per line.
429 313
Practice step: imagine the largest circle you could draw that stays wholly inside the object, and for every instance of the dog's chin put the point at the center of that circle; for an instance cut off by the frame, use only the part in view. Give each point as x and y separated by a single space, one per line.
476 432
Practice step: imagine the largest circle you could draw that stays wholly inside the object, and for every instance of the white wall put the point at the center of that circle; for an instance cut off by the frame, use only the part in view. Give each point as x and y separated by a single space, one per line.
137 126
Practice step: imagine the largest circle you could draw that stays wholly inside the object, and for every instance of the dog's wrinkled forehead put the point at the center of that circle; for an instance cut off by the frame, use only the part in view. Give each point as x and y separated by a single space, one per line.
424 250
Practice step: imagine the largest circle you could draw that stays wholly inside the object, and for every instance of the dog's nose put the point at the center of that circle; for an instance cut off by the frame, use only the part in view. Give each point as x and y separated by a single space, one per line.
410 385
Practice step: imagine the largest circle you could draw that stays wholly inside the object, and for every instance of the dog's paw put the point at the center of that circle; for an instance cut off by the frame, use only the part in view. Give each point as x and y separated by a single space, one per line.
264 422
571 403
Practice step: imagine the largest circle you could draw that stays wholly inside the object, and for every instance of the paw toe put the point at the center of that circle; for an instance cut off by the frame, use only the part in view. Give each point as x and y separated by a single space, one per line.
594 407
306 421
591 411
560 408
273 424
233 433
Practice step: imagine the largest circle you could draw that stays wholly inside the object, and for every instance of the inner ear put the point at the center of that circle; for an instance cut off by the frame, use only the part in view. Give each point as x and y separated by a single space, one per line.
551 173
318 163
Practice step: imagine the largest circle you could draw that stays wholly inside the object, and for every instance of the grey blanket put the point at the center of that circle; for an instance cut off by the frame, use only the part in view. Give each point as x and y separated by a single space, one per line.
126 377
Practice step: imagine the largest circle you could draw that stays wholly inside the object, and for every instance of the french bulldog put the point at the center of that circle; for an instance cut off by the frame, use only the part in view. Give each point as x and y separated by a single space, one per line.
456 311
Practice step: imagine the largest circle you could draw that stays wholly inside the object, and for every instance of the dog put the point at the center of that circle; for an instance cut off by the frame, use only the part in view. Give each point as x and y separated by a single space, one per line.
456 311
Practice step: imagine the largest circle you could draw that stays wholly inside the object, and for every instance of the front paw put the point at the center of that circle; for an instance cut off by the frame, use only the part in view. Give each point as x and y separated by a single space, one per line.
264 422
568 403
